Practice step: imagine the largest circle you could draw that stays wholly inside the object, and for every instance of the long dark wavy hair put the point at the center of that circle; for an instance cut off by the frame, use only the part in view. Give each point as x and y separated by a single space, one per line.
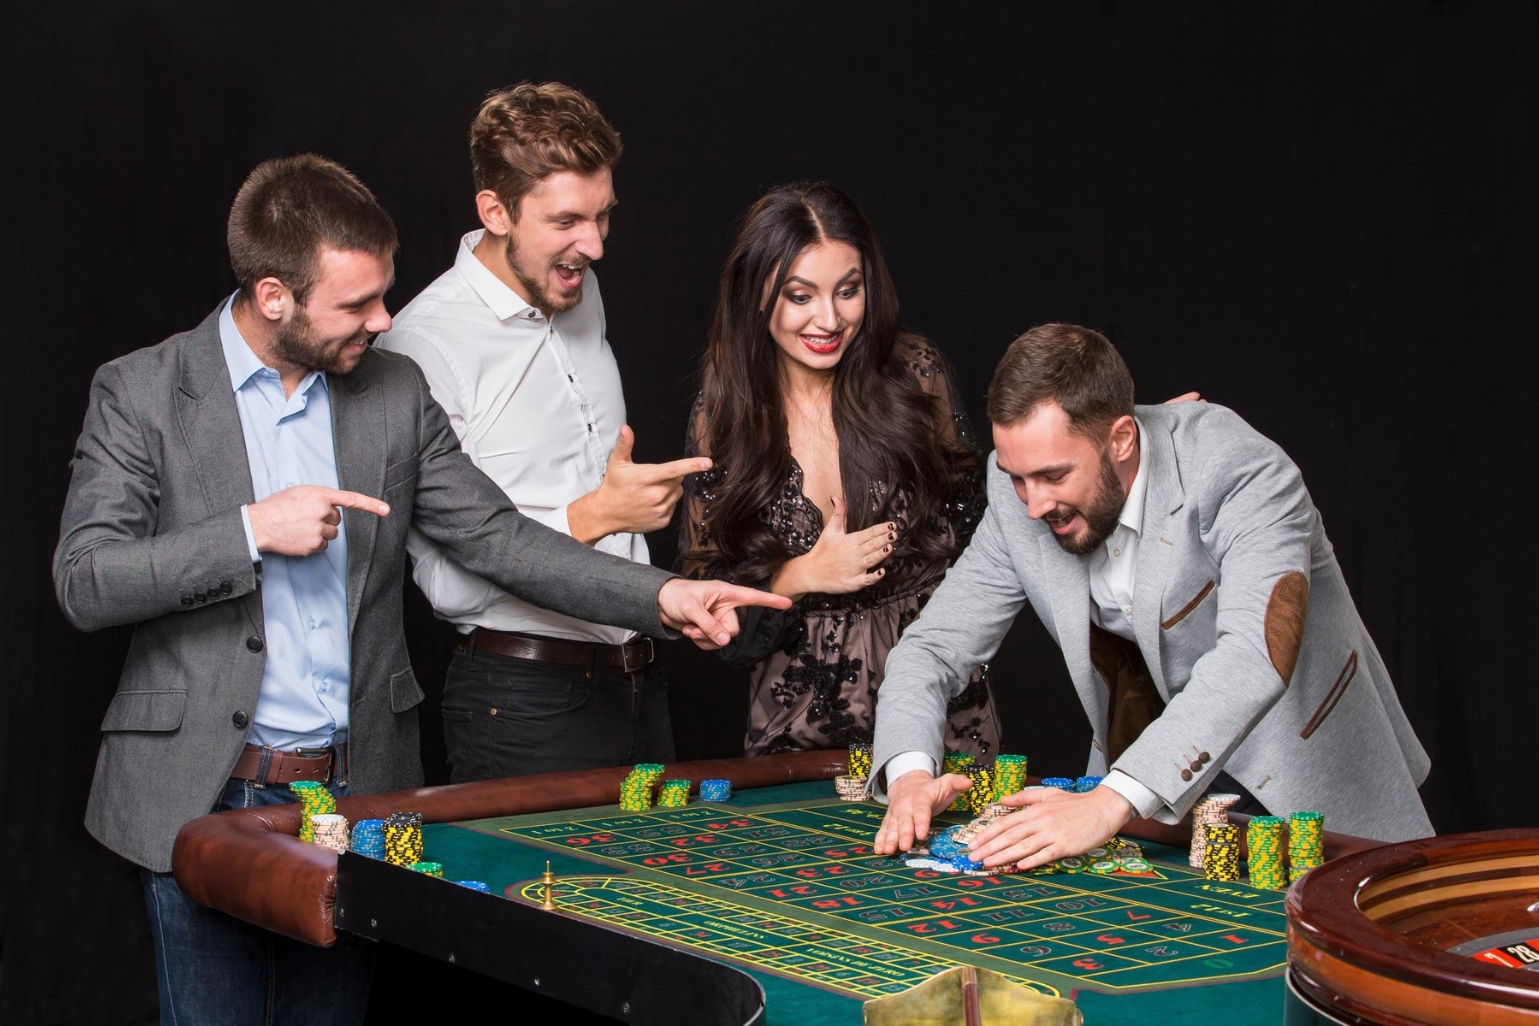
892 448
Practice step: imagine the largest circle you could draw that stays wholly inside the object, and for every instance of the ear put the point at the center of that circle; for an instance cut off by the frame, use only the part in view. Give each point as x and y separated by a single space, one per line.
1123 438
271 299
493 214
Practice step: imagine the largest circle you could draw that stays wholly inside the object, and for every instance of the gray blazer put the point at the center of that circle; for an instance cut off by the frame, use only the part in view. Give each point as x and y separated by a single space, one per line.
152 536
1231 544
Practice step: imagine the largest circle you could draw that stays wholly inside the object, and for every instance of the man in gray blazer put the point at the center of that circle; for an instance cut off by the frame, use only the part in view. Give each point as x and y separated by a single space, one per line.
242 494
1175 555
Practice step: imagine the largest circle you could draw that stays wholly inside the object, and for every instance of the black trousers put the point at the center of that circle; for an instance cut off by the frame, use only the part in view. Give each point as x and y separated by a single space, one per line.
506 717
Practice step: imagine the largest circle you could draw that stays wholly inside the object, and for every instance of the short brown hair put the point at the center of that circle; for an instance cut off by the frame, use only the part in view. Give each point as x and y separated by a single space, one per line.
1075 367
290 207
525 132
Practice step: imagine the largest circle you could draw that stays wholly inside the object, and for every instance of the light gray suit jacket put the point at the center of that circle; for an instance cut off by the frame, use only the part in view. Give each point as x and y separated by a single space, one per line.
1230 545
152 536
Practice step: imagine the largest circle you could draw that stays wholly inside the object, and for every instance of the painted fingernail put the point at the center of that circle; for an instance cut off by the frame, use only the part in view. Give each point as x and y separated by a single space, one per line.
892 537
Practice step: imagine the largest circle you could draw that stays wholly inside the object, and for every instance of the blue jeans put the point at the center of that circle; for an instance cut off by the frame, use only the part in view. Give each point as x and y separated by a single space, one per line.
213 969
506 717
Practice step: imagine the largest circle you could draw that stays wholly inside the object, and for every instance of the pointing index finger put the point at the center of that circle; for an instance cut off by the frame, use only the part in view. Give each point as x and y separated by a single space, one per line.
357 500
679 469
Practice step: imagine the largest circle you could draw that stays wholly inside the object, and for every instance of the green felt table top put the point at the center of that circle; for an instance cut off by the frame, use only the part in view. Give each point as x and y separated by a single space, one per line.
781 881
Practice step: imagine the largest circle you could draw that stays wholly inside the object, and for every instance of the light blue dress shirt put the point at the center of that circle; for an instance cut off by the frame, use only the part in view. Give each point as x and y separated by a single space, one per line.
303 701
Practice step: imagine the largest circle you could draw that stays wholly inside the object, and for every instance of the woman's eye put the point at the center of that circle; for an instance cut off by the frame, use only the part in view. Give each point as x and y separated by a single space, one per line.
849 293
800 299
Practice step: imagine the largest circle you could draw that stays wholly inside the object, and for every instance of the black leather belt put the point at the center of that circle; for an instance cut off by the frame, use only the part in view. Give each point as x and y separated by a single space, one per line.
628 658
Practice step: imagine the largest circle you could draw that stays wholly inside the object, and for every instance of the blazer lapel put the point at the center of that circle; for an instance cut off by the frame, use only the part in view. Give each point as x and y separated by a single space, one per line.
1156 543
210 423
358 433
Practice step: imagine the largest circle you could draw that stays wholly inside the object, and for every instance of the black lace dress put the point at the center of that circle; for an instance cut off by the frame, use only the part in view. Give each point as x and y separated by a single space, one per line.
817 667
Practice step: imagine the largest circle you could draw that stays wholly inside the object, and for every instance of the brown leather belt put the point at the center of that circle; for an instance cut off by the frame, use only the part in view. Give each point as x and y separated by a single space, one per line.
287 767
628 657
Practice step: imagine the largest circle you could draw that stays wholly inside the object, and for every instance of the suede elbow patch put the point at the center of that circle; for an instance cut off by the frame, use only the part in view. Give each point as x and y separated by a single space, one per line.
1286 611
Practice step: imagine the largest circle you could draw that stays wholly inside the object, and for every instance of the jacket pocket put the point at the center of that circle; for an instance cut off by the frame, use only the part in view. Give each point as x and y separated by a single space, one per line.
1186 610
145 710
404 691
1332 697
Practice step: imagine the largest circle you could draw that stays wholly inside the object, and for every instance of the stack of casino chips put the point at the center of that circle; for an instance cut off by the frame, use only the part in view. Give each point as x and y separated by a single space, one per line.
474 885
675 794
1212 809
957 762
851 789
980 791
1306 843
330 830
636 788
1009 774
369 838
715 790
403 838
1264 842
860 761
429 868
314 800
1221 855
1086 784
1062 783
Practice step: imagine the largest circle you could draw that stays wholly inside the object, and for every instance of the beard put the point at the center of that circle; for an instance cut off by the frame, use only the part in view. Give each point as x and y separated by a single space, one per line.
539 296
298 343
1103 516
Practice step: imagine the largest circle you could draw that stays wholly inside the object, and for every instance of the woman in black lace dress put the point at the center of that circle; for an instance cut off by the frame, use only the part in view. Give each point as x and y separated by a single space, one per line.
845 474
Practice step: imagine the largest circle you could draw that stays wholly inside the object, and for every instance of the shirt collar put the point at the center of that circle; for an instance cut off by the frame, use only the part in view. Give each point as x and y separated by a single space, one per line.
1133 509
501 300
241 359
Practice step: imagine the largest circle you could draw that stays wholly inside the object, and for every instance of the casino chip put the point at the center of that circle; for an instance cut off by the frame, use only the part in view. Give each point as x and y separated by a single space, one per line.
860 761
1264 842
1009 774
715 790
1087 784
474 885
403 838
675 794
368 838
1306 843
1062 783
429 868
1221 855
1212 809
957 762
980 789
330 831
636 788
314 800
851 789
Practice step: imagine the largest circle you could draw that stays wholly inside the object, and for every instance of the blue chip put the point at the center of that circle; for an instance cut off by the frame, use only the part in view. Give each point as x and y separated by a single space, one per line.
1062 783
475 885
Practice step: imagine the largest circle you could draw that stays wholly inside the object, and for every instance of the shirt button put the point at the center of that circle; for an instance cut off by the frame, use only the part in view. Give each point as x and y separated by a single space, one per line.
590 429
1128 610
1116 552
311 622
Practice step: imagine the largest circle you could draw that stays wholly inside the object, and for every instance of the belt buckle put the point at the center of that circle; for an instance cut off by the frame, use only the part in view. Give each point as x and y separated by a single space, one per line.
313 753
625 656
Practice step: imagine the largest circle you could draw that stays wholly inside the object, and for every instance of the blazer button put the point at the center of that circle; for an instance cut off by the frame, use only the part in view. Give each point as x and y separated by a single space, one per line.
225 587
1186 774
1203 758
186 598
254 644
1196 767
240 719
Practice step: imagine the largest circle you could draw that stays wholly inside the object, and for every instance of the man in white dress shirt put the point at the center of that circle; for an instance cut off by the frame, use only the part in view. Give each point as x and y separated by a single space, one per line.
512 339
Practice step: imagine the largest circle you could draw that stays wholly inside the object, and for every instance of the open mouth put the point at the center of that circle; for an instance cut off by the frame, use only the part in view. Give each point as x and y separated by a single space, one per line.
823 344
1060 523
570 275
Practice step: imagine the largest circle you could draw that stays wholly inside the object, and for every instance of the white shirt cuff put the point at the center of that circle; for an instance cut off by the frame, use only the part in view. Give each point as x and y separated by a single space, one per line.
1144 801
245 521
556 519
907 762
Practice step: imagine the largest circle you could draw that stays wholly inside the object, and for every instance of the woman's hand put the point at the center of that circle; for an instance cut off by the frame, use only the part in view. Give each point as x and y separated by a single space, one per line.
839 563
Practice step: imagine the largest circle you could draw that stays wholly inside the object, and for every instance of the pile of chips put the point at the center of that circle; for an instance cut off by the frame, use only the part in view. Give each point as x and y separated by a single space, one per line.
430 868
675 794
1264 843
980 789
1086 784
314 800
957 762
1306 843
636 788
474 885
1221 855
1009 774
715 790
1214 809
330 830
851 789
369 838
860 760
1062 783
947 852
403 838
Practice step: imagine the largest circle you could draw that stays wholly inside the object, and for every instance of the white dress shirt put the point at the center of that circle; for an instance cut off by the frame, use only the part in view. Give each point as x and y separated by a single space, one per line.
1113 574
537 405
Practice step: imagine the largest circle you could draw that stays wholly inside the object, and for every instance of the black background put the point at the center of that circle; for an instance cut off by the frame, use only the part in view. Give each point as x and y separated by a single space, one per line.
1322 215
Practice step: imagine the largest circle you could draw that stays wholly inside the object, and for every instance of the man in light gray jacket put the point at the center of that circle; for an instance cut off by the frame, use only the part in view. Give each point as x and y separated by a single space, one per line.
1175 555
241 493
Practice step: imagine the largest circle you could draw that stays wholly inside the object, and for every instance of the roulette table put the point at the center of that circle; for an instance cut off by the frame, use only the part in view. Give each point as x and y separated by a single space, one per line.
767 907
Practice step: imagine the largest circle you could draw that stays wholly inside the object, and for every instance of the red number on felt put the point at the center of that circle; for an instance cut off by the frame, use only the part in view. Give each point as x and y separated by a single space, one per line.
1110 938
835 902
1231 938
709 867
984 938
663 860
1088 963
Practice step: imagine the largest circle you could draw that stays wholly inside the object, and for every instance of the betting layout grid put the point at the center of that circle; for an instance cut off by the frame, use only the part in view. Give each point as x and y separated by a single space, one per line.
795 889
